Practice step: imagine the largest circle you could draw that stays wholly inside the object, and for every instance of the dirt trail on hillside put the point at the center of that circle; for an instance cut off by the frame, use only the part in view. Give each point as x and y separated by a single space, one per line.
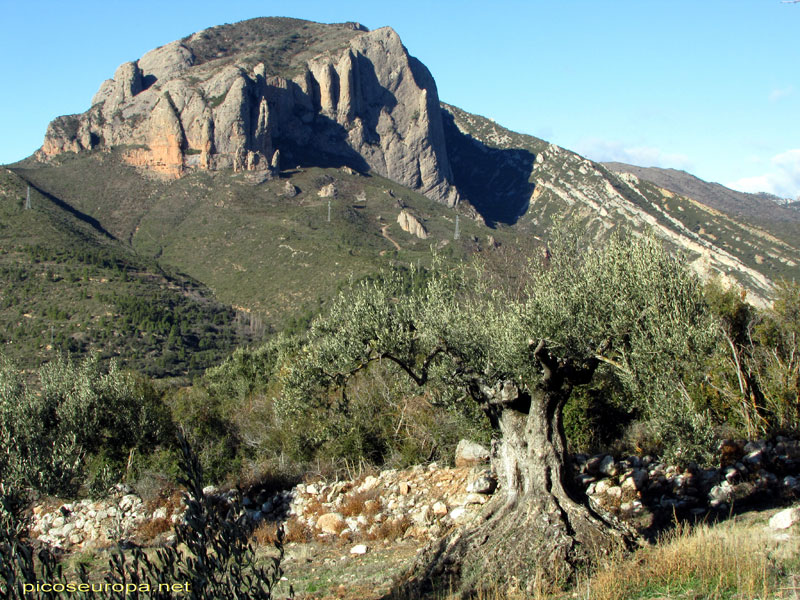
386 235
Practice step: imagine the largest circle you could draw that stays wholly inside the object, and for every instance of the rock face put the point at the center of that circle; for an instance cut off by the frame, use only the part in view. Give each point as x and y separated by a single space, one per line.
364 102
411 224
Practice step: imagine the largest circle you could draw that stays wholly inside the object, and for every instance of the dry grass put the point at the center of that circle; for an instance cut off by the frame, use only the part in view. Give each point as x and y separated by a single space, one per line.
266 534
729 560
361 503
152 528
314 507
391 529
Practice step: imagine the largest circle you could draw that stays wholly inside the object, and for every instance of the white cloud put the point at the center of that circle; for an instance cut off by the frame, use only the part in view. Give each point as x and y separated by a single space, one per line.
642 156
782 177
781 93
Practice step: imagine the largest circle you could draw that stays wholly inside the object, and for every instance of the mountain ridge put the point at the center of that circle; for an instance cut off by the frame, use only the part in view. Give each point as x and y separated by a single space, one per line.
765 208
203 150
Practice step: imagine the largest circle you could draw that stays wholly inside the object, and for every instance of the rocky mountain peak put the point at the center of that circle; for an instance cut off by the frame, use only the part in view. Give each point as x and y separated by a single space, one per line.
338 95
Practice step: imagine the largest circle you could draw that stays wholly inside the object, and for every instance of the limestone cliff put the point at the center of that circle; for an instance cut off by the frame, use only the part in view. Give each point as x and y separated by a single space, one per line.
349 96
411 224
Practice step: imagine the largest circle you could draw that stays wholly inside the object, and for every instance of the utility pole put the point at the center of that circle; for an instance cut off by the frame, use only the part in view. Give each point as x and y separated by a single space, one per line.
457 233
28 199
329 211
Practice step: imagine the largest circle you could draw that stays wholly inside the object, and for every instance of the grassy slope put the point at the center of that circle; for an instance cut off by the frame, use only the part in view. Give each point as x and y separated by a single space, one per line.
66 286
252 245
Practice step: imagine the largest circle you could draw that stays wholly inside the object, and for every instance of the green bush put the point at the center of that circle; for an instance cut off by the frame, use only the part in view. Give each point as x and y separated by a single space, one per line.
595 416
82 417
753 381
208 428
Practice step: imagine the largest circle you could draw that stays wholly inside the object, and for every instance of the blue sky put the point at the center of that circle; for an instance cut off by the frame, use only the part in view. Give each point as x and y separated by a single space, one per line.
708 86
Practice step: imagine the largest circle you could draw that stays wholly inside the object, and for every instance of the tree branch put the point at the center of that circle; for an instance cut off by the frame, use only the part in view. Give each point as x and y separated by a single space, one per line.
612 362
418 379
543 356
422 378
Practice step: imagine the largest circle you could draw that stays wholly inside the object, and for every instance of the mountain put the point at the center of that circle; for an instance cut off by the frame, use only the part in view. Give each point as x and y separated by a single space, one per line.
764 210
525 182
269 161
230 96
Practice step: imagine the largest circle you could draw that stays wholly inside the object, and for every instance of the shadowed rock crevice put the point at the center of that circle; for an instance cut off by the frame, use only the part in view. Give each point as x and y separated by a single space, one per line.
496 181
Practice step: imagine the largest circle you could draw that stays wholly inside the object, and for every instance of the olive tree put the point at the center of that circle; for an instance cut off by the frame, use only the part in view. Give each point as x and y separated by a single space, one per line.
79 411
627 306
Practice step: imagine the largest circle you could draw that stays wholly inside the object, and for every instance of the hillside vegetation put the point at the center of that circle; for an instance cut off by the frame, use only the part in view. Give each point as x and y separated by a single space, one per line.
268 251
69 287
255 246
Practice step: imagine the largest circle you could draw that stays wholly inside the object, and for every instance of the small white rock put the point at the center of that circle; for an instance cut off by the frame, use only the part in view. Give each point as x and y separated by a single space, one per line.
785 518
369 483
457 513
160 513
602 486
359 549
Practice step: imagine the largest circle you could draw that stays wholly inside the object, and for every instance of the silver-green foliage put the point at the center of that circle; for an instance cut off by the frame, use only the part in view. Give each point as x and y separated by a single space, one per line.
628 306
641 312
79 409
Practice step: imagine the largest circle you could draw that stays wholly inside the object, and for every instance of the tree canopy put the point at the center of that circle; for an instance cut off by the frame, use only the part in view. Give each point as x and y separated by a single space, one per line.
627 306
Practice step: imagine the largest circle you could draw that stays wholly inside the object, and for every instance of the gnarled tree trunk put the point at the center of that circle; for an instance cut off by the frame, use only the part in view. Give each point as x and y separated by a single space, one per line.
536 528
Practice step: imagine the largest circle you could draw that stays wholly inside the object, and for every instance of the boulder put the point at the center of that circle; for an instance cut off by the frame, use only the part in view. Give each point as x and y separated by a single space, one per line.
327 191
608 467
785 518
332 523
485 483
470 454
412 225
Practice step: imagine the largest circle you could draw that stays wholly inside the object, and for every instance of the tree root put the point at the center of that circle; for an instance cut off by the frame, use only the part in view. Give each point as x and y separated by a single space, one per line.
529 543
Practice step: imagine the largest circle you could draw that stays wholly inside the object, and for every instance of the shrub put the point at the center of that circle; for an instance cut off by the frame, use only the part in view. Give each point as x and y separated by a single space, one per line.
754 374
81 417
596 415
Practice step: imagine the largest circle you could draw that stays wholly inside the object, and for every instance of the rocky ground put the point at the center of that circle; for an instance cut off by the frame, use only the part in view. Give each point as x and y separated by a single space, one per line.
350 538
